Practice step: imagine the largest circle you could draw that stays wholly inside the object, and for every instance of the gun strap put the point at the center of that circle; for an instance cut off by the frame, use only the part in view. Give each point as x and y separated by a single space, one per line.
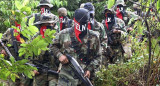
88 43
14 43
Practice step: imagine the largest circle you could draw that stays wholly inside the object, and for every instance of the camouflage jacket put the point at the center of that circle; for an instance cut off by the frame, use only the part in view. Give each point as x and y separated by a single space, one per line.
65 43
118 24
132 17
8 41
99 28
37 18
45 58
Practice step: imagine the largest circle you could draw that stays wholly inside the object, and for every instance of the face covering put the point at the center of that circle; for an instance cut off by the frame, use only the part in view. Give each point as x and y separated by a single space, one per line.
17 34
138 11
120 11
62 22
43 29
91 22
80 29
44 10
110 20
19 37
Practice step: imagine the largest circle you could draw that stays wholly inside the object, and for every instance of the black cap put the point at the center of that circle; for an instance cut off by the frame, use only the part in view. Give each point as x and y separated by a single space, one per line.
81 15
89 6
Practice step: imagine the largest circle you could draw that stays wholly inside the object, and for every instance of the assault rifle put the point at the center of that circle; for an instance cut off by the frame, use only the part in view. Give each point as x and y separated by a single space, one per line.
6 49
113 37
40 68
79 71
43 69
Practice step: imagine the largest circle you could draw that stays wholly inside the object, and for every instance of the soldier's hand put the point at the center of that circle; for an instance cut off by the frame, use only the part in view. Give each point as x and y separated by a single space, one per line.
3 52
87 74
116 31
36 72
129 29
63 59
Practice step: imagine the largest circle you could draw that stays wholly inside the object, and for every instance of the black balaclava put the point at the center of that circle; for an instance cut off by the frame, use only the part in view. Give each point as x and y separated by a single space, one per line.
120 11
109 19
138 11
81 18
89 6
45 10
63 20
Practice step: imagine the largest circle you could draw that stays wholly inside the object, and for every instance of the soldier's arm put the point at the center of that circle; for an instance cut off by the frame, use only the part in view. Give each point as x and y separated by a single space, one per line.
121 25
7 36
56 46
95 63
104 38
133 17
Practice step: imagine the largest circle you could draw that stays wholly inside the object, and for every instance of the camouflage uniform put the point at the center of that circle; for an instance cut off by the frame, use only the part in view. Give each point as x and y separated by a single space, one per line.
114 51
45 58
43 10
64 39
8 38
87 53
129 18
95 25
64 21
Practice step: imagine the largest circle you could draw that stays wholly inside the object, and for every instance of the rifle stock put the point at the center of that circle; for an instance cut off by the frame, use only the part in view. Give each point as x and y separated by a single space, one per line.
6 49
43 69
79 71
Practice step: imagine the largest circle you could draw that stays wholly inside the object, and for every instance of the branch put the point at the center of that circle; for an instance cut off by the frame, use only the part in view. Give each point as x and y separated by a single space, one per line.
156 13
138 4
149 37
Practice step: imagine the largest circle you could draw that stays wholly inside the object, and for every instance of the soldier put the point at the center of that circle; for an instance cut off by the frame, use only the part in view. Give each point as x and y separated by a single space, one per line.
13 38
129 18
64 21
82 44
126 16
115 30
137 9
45 7
47 21
94 25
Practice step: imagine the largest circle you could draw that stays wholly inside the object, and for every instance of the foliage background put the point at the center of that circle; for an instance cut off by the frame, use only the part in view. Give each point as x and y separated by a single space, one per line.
7 8
134 72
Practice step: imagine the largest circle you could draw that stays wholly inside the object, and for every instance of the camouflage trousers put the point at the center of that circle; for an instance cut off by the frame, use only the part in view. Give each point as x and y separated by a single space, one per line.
44 80
21 81
115 54
128 51
67 77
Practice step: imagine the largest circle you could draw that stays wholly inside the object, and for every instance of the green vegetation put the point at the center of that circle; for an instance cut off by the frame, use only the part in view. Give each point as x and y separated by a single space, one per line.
141 69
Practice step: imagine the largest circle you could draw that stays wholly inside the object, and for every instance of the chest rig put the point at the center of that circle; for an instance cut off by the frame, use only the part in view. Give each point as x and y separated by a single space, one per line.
113 38
125 18
77 46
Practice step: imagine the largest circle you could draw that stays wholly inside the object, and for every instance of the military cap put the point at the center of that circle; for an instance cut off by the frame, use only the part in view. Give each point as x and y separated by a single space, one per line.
62 11
47 18
45 2
118 2
136 5
89 6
